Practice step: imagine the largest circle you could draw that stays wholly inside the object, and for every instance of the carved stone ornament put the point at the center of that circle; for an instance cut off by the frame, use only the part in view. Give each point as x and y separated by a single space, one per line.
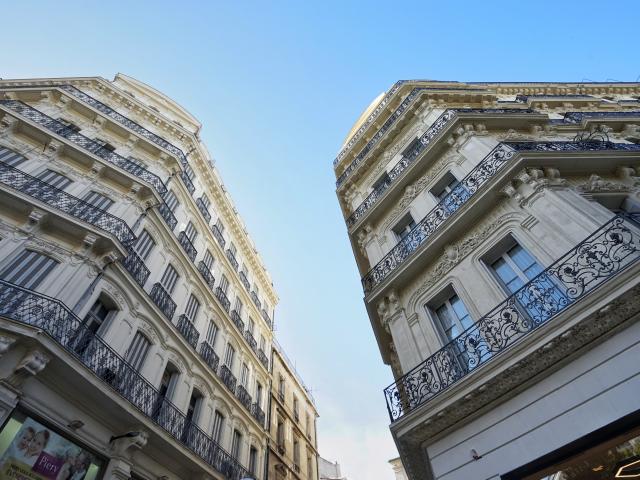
126 444
597 184
30 365
6 342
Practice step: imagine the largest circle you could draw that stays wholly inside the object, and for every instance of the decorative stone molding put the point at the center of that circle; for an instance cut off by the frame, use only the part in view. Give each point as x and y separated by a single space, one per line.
123 446
388 308
6 342
30 365
597 184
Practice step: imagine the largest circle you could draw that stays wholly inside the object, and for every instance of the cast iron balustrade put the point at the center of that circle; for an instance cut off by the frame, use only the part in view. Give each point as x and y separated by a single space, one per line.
203 209
263 358
20 181
244 397
187 182
468 186
163 300
222 298
577 117
136 268
258 413
256 300
237 321
601 256
218 235
86 143
206 274
248 336
265 315
209 356
245 282
228 378
60 323
189 249
188 330
168 216
232 259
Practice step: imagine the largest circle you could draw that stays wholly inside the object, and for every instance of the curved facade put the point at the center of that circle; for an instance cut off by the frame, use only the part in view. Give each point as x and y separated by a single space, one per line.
136 318
495 227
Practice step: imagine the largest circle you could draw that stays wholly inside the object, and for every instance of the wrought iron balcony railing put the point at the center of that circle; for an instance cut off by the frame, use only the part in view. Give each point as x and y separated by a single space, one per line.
245 281
218 235
258 413
187 182
188 330
163 300
203 209
248 336
136 268
60 323
168 216
222 298
20 181
237 321
228 378
206 274
601 256
256 300
465 190
209 356
244 397
265 315
189 249
232 259
83 142
577 117
263 358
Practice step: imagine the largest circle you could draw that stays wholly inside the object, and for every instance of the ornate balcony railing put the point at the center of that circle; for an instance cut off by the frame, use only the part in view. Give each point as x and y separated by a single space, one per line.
136 267
601 256
20 181
189 249
265 315
228 378
222 298
256 300
83 142
465 190
206 274
237 321
248 336
203 209
61 324
258 413
577 117
244 397
245 281
209 356
187 182
163 300
232 259
263 358
188 330
168 216
218 235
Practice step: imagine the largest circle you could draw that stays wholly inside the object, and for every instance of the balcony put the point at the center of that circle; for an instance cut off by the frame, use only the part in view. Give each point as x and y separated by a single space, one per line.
263 358
244 397
258 413
209 356
466 189
604 254
248 336
187 182
222 298
206 274
168 216
245 282
256 300
203 209
188 247
53 197
232 259
237 321
163 300
218 235
136 268
63 326
265 316
93 147
188 330
228 378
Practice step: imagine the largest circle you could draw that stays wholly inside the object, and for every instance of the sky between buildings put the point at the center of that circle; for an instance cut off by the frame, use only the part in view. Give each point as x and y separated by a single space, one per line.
277 87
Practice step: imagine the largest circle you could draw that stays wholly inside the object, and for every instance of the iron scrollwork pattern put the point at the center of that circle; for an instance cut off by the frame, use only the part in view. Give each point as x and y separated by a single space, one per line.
604 254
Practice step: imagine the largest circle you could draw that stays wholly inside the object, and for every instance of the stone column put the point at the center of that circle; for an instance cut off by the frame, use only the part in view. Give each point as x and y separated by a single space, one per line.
121 448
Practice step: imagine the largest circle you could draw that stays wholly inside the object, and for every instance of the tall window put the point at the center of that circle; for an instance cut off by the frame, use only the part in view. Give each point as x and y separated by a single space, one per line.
238 306
224 283
383 180
218 426
171 200
98 200
193 410
258 394
253 461
193 305
54 179
144 245
281 387
296 451
453 317
205 201
229 356
309 467
96 318
212 333
232 249
169 279
451 191
404 226
263 343
515 267
220 226
189 171
10 157
236 444
28 270
137 351
280 432
191 232
296 408
166 389
251 326
208 260
244 375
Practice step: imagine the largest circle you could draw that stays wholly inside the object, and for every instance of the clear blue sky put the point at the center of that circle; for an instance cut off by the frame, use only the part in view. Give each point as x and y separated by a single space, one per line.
277 88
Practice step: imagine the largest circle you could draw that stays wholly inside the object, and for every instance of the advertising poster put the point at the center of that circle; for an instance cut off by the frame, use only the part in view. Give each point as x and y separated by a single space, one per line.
38 453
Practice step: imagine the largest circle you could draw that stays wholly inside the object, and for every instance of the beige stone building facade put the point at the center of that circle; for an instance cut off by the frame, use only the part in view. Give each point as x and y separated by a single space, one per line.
496 229
293 448
136 316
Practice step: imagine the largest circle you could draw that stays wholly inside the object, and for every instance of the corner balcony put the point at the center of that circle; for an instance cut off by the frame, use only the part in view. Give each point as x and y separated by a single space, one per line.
218 235
168 216
206 274
188 330
258 413
602 256
209 356
245 281
237 321
163 300
467 189
222 298
136 268
203 209
256 300
244 397
60 324
188 247
232 259
228 378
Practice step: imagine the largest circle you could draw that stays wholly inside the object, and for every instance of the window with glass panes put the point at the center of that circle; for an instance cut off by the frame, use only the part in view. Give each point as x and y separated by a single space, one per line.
10 157
229 356
137 351
404 226
208 260
144 245
54 179
224 283
28 269
193 305
171 200
218 426
236 444
191 232
453 317
98 200
238 306
212 333
244 375
251 325
253 461
169 279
